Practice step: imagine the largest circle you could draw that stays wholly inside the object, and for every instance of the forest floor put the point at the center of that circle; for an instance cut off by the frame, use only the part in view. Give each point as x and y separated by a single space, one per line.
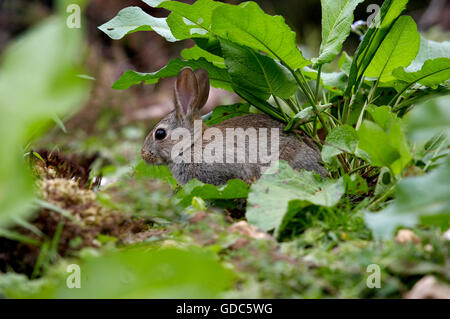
96 196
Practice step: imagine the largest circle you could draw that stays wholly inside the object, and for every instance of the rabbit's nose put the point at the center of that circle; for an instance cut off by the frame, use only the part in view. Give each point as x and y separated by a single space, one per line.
147 156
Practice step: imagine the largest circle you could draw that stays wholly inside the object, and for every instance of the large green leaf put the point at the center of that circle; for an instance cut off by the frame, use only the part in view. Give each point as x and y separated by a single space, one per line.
423 199
432 73
140 272
219 77
196 53
304 116
260 103
146 171
376 146
428 119
337 18
383 116
257 73
334 82
345 63
39 80
429 50
225 112
188 21
342 138
388 14
398 49
133 19
383 143
234 188
248 25
270 196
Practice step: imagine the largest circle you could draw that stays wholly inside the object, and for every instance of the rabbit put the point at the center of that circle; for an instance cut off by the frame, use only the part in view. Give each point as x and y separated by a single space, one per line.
190 94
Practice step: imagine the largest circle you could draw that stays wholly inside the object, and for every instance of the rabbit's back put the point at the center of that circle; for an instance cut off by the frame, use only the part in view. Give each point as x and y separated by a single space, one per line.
251 120
298 150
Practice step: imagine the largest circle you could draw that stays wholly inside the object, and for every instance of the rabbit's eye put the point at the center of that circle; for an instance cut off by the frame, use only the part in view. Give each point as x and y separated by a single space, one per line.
160 134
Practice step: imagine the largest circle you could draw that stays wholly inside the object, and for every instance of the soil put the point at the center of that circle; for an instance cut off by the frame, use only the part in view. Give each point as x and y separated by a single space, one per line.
64 183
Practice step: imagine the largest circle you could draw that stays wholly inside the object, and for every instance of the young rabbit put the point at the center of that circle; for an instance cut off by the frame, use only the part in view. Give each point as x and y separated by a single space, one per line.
190 95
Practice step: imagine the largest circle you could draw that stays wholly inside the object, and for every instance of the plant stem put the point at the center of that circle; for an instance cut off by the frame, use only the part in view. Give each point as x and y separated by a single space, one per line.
319 72
358 168
342 160
368 101
307 87
280 108
307 90
333 117
349 105
382 197
397 97
360 118
292 105
344 110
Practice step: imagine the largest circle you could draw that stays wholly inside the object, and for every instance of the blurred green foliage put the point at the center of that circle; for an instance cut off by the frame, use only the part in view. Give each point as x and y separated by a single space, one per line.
136 272
39 81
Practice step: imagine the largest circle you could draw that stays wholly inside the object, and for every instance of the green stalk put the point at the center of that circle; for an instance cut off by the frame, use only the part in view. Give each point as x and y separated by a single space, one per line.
348 106
319 72
280 108
358 168
345 110
397 97
368 101
416 99
263 106
292 105
308 92
309 95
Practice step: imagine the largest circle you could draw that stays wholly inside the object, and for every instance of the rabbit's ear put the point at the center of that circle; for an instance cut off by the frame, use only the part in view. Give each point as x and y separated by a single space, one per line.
186 92
203 87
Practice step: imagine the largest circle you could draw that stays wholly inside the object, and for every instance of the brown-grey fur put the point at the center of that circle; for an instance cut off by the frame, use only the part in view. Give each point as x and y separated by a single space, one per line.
192 90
